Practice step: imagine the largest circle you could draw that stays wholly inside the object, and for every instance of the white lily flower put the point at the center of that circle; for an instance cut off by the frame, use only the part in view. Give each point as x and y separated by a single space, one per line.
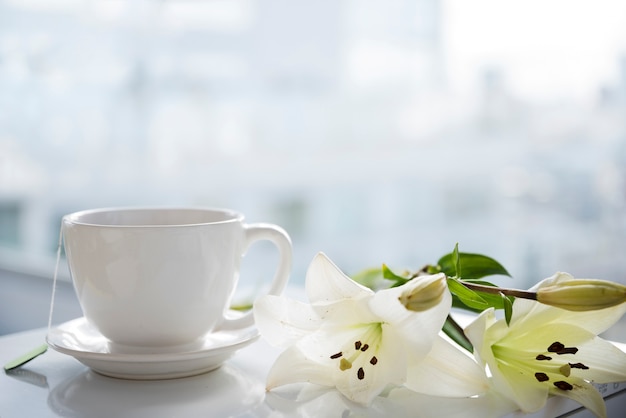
360 341
549 351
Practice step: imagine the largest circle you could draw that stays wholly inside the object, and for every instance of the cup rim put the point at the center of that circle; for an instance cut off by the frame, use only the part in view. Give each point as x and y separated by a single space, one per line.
77 218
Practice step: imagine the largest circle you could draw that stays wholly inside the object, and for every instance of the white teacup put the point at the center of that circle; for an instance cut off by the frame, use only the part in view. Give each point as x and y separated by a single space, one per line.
155 279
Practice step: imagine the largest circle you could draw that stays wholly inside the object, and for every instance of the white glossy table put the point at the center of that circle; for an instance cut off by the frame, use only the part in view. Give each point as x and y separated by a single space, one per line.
55 384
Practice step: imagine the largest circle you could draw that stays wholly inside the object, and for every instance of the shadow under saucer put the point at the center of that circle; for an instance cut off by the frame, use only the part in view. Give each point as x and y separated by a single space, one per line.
226 391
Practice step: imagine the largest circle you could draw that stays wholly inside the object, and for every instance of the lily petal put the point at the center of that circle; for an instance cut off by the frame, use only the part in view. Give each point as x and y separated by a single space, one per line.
476 330
538 340
326 283
607 362
530 396
283 321
456 373
394 355
292 366
349 311
596 321
585 394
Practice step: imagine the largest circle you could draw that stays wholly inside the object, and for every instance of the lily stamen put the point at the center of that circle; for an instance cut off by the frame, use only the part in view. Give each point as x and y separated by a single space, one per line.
563 385
559 348
350 355
542 367
578 366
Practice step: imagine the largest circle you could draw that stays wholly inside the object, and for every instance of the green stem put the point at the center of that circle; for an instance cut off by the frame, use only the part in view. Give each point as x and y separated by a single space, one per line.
524 294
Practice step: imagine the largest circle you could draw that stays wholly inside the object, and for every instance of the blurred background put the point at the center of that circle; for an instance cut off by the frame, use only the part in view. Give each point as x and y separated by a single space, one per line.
373 130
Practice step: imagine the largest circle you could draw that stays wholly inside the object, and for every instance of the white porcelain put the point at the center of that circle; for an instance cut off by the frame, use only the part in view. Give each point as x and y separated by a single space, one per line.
82 341
159 277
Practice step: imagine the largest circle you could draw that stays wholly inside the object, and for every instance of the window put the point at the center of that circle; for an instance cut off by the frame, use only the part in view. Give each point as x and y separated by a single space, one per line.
402 126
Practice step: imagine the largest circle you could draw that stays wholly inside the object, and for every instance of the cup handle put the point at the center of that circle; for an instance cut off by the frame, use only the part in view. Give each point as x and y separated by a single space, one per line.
280 238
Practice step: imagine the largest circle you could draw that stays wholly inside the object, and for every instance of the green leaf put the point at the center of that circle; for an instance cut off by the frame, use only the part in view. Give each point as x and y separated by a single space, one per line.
455 332
494 300
475 266
25 358
466 296
476 300
508 308
390 275
457 303
456 259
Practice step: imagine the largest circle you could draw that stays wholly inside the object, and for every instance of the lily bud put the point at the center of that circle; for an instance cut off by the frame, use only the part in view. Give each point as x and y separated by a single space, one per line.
425 297
582 294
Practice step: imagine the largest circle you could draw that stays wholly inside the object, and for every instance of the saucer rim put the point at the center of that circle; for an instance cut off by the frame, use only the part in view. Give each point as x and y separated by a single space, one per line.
248 336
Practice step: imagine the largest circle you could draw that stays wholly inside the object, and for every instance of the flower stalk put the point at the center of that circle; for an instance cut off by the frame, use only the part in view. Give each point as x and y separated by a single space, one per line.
494 290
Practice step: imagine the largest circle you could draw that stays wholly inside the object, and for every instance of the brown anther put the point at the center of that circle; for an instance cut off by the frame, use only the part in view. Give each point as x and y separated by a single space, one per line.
559 348
556 347
563 385
360 374
373 361
334 356
542 377
365 347
357 345
578 366
542 357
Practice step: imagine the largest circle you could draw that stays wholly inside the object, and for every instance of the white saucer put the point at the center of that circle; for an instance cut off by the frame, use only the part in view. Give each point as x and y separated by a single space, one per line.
80 340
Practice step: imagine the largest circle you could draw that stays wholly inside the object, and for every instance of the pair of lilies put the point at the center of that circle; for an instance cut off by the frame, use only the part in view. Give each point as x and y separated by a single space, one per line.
363 342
